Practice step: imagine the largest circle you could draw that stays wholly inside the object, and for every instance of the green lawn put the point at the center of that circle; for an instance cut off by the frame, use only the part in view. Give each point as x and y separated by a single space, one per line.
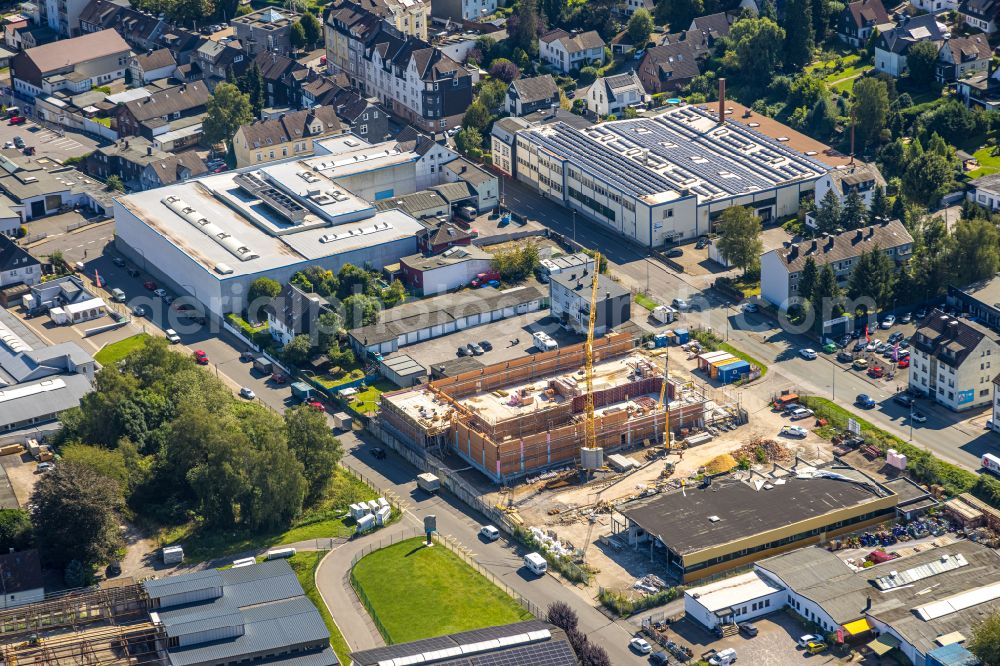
323 521
304 564
367 401
116 351
646 302
419 592
329 382
989 162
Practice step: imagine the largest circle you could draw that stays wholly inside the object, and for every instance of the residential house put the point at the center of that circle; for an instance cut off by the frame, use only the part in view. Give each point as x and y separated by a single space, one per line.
283 79
961 57
980 14
294 312
33 35
432 156
950 361
452 269
348 27
21 579
17 266
366 119
76 65
859 19
780 269
936 6
463 10
860 176
980 89
10 219
611 95
502 139
152 66
568 51
714 26
569 299
12 23
410 17
64 16
268 29
892 46
290 135
142 31
672 65
142 165
213 61
532 94
484 184
152 116
445 235
985 191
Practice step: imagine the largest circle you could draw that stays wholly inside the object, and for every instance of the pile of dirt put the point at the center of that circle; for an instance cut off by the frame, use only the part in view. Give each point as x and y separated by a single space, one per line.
760 450
720 464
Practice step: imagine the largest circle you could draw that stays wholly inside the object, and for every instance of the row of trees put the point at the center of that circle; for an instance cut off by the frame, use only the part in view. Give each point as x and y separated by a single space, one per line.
167 439
831 215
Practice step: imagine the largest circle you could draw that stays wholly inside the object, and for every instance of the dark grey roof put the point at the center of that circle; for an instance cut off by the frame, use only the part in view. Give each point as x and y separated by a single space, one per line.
581 282
58 394
13 256
716 25
20 572
948 339
469 172
539 644
682 519
848 245
536 89
917 29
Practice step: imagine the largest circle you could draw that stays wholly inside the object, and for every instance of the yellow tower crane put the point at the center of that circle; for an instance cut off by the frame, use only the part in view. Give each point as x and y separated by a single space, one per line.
591 431
663 400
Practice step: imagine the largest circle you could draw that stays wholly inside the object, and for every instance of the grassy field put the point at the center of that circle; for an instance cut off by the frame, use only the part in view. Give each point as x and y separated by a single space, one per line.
324 521
366 402
645 301
304 564
420 592
989 162
116 351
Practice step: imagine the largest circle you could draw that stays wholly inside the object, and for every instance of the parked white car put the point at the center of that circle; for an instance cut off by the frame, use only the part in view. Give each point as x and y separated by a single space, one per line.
640 645
172 336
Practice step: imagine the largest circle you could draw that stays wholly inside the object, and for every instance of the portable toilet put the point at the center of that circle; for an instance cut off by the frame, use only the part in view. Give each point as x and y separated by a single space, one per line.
682 335
366 523
382 502
660 339
373 505
382 515
671 338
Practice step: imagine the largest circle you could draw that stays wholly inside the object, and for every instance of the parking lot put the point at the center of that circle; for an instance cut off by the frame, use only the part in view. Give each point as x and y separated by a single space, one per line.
47 142
775 642
501 334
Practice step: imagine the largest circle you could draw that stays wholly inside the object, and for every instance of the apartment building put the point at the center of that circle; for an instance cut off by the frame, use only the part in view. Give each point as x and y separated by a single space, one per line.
568 51
413 79
410 17
951 361
860 177
780 269
569 300
463 10
75 65
611 95
267 29
290 135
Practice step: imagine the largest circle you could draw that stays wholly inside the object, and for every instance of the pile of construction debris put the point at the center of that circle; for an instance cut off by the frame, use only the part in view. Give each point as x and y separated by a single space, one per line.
650 583
760 450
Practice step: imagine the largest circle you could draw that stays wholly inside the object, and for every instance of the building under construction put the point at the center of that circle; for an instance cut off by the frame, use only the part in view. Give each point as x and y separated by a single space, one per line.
515 418
255 613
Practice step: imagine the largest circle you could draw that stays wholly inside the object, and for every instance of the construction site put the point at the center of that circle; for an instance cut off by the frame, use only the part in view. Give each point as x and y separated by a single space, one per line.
109 626
521 417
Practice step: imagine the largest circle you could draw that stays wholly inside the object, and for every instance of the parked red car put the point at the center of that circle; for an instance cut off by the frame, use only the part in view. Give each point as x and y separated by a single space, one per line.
876 371
905 363
17 120
315 404
279 378
149 284
200 357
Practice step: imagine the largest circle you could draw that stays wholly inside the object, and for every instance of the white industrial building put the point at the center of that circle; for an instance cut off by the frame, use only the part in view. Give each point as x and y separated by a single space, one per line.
212 237
665 178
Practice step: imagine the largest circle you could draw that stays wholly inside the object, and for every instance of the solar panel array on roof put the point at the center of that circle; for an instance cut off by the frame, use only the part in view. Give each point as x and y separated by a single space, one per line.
898 578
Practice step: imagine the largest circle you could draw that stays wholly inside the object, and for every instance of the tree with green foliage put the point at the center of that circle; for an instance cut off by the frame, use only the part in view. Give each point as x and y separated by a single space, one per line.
262 291
829 212
975 251
516 264
469 141
394 294
360 310
492 95
854 212
354 280
504 70
825 299
822 118
15 530
927 178
807 279
522 26
227 110
768 10
871 104
953 121
921 61
76 516
312 443
298 350
985 640
821 19
476 117
678 13
640 27
739 240
798 33
758 45
873 276
76 575
312 29
107 462
297 35
114 183
879 210
553 11
252 85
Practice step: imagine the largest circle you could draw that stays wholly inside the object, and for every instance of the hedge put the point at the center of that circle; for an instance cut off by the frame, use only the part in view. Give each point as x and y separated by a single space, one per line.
624 604
920 463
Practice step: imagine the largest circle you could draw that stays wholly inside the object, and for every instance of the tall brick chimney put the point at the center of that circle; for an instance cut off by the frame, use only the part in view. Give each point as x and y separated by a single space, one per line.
722 100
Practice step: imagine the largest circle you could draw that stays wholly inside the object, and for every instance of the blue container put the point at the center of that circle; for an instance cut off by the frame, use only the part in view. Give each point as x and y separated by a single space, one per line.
682 335
732 372
660 340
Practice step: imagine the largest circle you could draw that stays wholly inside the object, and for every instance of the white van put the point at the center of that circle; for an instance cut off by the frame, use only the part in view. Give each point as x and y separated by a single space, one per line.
723 658
536 564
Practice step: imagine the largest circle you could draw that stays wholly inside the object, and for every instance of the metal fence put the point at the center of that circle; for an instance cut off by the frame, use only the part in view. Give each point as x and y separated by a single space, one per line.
452 545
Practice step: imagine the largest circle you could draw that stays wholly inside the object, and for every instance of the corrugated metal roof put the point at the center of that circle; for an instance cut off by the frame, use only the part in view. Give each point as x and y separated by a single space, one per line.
184 583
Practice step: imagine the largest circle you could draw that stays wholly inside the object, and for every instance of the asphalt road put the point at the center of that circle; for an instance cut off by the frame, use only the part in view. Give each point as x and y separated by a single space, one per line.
958 438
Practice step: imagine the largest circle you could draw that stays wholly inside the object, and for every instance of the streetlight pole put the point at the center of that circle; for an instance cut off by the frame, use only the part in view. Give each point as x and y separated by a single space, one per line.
911 420
574 225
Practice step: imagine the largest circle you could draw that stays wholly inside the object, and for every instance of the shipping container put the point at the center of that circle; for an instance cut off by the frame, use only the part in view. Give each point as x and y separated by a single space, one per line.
301 390
366 524
172 554
428 482
244 562
279 553
734 371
